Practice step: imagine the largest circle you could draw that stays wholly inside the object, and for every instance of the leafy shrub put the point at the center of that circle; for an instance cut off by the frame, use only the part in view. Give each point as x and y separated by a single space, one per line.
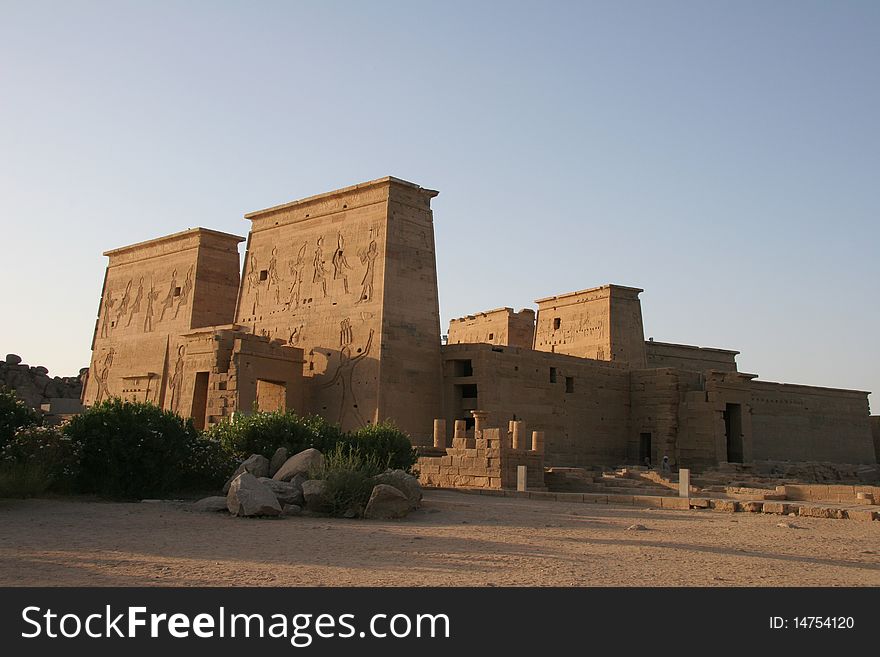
208 464
22 479
14 415
130 449
264 432
386 443
348 475
48 451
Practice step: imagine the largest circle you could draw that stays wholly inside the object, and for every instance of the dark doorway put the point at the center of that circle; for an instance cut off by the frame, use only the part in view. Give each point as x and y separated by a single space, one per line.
733 432
644 447
200 400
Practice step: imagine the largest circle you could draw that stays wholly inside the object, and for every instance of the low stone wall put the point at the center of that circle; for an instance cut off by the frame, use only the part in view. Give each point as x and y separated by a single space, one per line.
36 388
485 461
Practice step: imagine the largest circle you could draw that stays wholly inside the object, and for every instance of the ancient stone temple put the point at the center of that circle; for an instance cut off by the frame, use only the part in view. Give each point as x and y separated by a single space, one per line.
336 312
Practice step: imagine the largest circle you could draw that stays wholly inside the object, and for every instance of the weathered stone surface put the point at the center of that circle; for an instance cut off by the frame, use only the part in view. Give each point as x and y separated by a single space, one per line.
727 506
277 460
285 492
313 492
386 502
214 503
405 483
300 463
13 359
249 497
255 464
292 510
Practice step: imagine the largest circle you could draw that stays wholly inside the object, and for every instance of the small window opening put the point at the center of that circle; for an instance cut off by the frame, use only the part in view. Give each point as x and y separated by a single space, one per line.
177 291
569 384
557 322
552 375
264 274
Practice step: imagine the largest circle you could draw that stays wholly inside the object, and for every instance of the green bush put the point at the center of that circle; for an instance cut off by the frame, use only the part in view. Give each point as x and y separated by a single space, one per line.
348 476
22 479
208 464
131 450
264 432
49 451
386 443
14 415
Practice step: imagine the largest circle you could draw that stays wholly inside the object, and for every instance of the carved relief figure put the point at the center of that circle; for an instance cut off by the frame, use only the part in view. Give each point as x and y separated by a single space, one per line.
273 273
177 379
296 273
136 306
368 257
320 271
169 298
152 295
340 264
343 377
345 335
185 291
103 376
253 275
295 335
123 305
109 302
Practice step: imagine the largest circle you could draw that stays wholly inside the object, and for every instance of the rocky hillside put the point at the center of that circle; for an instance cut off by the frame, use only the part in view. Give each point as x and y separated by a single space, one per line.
34 386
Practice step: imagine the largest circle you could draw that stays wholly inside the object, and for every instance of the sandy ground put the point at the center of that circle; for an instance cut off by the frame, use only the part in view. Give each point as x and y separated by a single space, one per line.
456 539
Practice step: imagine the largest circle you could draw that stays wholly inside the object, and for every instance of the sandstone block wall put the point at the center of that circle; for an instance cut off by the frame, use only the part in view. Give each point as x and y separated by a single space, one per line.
875 432
501 326
153 293
583 406
350 278
490 463
794 422
689 357
602 323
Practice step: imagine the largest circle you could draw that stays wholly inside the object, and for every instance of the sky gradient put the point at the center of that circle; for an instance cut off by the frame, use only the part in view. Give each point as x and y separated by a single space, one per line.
724 156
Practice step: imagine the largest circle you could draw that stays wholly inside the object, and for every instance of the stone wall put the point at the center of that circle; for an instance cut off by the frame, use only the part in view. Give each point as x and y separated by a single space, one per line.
501 326
806 423
350 277
689 357
582 406
875 433
601 323
486 460
34 386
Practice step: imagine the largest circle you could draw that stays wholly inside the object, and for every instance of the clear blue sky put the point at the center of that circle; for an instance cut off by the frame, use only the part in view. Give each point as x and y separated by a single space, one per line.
725 156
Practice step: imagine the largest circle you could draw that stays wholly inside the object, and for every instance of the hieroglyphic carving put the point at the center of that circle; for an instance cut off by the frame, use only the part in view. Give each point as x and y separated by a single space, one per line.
368 257
184 291
169 298
109 302
272 274
340 264
320 275
346 336
177 379
295 335
102 377
343 376
152 295
123 305
136 306
296 273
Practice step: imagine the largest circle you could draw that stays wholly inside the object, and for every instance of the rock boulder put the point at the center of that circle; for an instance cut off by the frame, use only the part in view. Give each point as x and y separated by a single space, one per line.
249 497
299 464
386 502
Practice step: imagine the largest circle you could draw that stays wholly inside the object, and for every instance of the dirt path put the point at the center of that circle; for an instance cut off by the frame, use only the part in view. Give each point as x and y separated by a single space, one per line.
456 539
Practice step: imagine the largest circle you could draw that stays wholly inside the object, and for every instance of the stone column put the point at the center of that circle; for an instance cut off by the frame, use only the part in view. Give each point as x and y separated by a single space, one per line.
684 482
480 418
521 478
459 438
519 432
440 433
538 441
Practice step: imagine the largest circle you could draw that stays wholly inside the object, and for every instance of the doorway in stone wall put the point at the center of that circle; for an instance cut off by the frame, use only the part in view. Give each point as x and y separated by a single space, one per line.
733 432
200 400
645 448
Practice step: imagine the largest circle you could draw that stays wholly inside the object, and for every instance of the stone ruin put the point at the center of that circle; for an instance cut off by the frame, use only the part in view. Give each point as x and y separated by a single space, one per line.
56 397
